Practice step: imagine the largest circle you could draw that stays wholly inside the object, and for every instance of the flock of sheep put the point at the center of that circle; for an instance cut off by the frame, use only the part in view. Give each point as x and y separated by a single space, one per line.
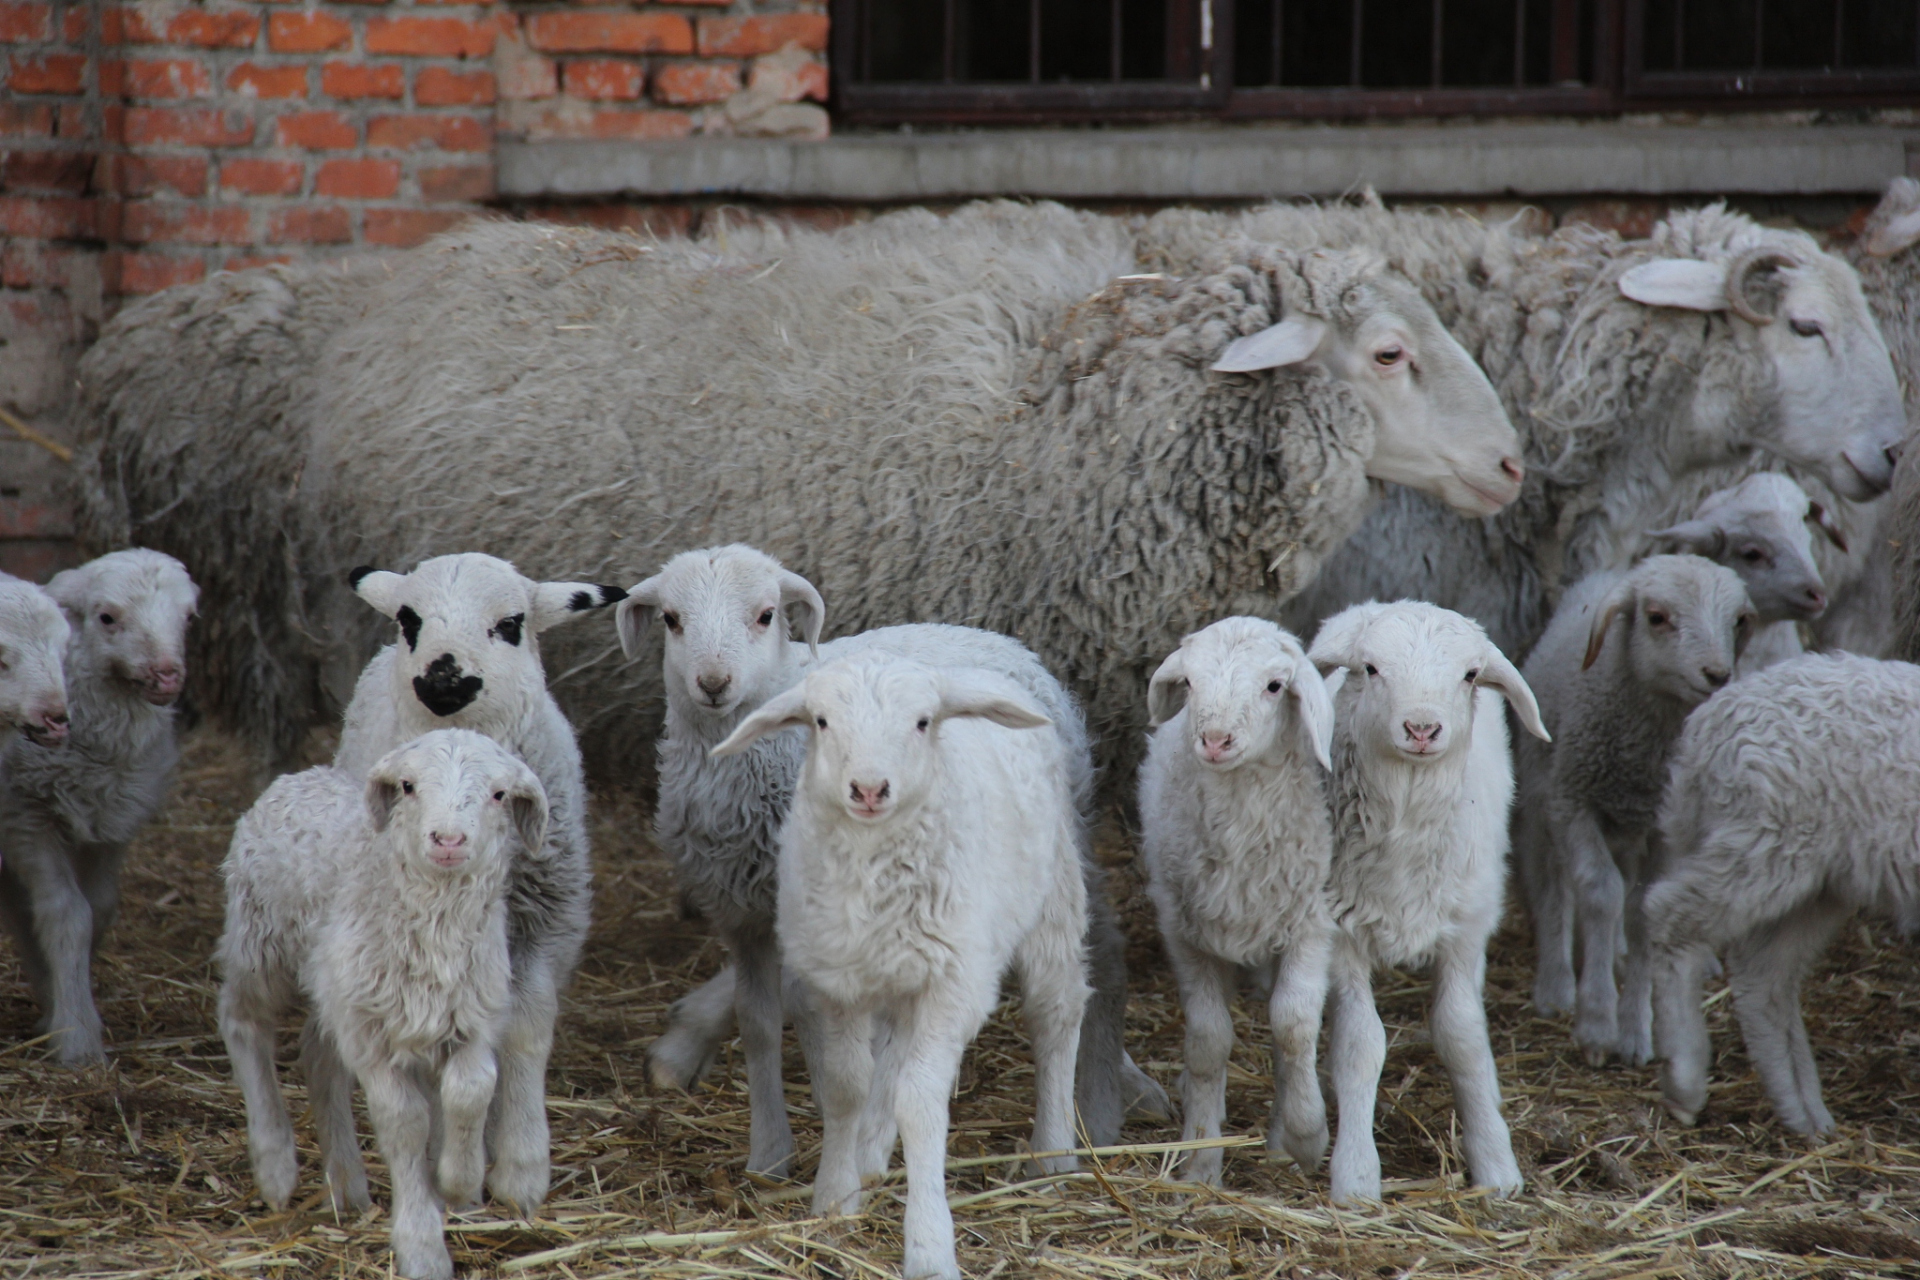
1063 477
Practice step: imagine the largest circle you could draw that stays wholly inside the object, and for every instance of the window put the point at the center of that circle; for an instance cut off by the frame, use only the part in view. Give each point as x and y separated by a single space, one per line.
1061 60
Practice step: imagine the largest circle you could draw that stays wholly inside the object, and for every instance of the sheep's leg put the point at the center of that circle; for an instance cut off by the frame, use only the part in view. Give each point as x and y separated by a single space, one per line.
1765 970
247 1014
1542 873
756 1002
1108 1085
797 1000
1459 1020
16 908
1359 1051
698 1023
1601 893
466 1089
1634 1043
517 1125
1206 998
97 868
936 1036
403 1125
844 1077
330 1095
877 1131
1299 1124
1054 987
1681 1028
62 924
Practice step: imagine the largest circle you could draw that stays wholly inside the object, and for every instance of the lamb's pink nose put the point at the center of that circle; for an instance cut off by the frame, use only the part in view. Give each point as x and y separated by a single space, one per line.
167 676
1816 599
869 797
449 842
1514 469
1422 735
1215 745
49 728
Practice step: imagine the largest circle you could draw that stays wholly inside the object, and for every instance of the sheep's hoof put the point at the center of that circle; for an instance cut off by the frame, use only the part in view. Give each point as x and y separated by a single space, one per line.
777 1163
1682 1114
275 1181
1146 1100
673 1063
348 1190
1304 1149
519 1184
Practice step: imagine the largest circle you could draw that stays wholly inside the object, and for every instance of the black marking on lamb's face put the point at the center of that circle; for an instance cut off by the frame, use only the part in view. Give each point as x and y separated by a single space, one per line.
443 690
354 575
508 629
409 626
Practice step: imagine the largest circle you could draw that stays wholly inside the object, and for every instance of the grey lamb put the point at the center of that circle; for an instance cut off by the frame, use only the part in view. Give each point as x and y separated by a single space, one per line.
33 645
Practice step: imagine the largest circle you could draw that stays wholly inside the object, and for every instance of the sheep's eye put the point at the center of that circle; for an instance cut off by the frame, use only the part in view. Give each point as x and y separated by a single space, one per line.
106 619
766 619
1372 670
1746 620
922 724
672 620
1387 357
1806 328
1655 618
508 629
1473 673
1273 686
499 795
821 721
406 787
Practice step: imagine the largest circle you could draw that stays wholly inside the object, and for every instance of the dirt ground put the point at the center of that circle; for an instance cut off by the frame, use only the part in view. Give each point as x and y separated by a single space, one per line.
140 1169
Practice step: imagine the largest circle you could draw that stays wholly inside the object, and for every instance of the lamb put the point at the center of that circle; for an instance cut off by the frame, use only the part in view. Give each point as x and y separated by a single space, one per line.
726 650
961 419
1422 777
471 627
1627 656
33 686
1237 843
67 812
1775 835
382 903
931 844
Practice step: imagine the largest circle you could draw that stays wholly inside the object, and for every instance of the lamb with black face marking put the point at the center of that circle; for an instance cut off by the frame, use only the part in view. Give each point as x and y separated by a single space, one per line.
468 657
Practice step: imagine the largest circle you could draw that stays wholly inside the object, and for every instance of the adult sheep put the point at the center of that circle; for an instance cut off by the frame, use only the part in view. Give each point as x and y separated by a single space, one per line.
1889 265
980 419
1642 374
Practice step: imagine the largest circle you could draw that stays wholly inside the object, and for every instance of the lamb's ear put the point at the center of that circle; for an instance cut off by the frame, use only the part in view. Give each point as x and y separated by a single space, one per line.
69 590
635 612
1498 673
557 602
779 712
1316 712
1167 689
963 695
383 792
796 590
378 588
1618 600
1292 340
1678 282
1693 537
1895 235
1337 643
1828 525
527 806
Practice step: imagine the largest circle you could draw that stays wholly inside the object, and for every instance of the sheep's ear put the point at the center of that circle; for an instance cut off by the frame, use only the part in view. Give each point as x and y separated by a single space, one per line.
527 806
1619 600
781 711
1292 340
69 590
961 695
1895 235
383 792
557 602
378 588
1828 525
1693 537
796 590
1316 712
1167 690
635 612
1337 644
1498 673
1678 282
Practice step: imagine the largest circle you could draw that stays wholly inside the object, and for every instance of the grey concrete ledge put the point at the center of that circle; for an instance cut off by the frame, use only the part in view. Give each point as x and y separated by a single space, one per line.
1473 160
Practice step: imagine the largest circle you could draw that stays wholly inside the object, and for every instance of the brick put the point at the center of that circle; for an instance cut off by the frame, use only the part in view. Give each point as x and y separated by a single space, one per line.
684 83
25 120
789 77
441 87
47 73
307 33
571 118
25 23
151 175
1633 219
450 183
316 131
607 78
524 75
248 261
152 272
448 133
189 24
46 171
147 221
404 228
250 175
73 121
363 80
432 37
34 265
762 33
257 81
166 78
358 179
328 224
187 126
49 218
573 32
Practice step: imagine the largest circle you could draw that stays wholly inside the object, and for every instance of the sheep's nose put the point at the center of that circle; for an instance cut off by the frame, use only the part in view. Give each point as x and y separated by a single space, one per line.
168 675
1893 452
714 685
453 841
1816 599
444 689
50 727
1215 745
1422 734
1514 469
1716 676
870 796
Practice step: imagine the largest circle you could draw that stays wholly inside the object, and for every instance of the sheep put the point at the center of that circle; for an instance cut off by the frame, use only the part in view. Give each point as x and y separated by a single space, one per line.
1889 266
1775 834
33 686
726 650
1236 840
469 657
67 813
1642 374
931 844
959 418
381 902
1627 656
1422 777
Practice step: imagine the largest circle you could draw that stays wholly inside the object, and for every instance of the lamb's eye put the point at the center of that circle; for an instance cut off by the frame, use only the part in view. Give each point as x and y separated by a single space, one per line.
1372 670
1753 555
508 629
1387 357
406 787
821 721
672 620
106 619
922 724
1473 673
1806 328
766 619
1273 686
1656 618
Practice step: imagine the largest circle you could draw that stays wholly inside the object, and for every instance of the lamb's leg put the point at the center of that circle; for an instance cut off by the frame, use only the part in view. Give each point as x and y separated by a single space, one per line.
698 1023
877 1130
757 1001
403 1124
1634 1043
1765 970
844 1076
517 1125
1539 862
466 1089
1206 998
1601 895
1108 1085
936 1036
98 872
1054 987
1681 1027
16 909
1459 1019
1359 1050
37 861
1299 1124
247 1013
330 1095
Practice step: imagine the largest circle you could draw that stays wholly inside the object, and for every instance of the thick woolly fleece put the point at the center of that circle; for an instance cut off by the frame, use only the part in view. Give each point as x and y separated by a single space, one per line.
33 642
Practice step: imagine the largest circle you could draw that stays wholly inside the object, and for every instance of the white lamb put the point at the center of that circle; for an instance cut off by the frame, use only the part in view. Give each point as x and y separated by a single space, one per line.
1422 777
1237 843
932 843
382 904
67 813
33 687
1793 803
469 658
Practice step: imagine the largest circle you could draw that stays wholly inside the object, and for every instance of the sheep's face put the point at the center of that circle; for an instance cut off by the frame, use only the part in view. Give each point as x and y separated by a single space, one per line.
1248 693
461 802
1684 622
1759 529
724 612
875 723
33 642
469 625
1407 676
129 612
